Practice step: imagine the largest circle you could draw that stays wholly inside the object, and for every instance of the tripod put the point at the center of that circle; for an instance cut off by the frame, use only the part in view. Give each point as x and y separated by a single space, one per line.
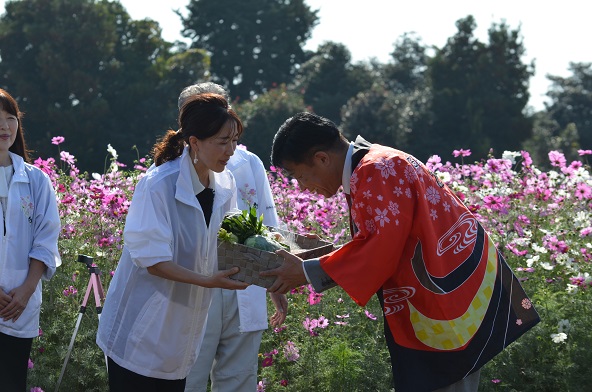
94 285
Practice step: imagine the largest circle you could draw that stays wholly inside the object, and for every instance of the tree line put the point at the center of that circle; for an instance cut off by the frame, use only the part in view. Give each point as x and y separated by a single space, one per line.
85 70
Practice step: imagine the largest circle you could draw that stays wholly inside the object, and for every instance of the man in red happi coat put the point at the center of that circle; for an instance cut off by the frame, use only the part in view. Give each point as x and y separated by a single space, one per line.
450 301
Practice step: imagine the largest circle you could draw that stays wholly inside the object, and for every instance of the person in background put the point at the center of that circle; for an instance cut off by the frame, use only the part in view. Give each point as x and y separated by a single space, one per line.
450 302
236 319
153 320
29 246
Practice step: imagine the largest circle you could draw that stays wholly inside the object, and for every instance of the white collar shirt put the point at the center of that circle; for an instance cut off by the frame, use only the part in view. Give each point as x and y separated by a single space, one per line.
347 169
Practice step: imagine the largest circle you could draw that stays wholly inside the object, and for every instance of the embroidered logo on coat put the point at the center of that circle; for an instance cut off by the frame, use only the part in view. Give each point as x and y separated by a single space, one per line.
248 195
27 207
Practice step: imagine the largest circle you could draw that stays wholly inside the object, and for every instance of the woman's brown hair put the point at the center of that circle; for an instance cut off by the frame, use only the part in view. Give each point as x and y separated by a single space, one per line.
201 116
9 105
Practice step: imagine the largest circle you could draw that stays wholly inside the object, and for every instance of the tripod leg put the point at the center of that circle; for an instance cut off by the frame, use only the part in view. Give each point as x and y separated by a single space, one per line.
80 314
69 350
99 296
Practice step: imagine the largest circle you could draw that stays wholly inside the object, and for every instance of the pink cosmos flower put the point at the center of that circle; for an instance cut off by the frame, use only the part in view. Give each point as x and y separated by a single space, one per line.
578 280
268 361
67 157
314 298
36 389
47 166
527 159
461 153
322 322
280 329
434 162
291 352
370 315
524 219
515 250
261 385
30 365
492 202
575 165
557 159
584 152
583 191
70 291
309 324
57 140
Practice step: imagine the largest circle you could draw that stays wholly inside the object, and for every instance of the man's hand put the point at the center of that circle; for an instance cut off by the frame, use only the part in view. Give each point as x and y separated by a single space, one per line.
288 276
281 309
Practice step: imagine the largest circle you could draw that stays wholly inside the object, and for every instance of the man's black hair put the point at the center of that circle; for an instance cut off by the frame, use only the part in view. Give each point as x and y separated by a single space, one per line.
301 136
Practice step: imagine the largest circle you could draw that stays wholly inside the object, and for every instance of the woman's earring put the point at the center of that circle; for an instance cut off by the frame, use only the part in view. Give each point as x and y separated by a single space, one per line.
195 159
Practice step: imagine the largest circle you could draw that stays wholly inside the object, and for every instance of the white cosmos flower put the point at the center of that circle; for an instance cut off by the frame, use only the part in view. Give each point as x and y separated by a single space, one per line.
511 156
547 266
539 249
559 337
111 151
571 288
532 260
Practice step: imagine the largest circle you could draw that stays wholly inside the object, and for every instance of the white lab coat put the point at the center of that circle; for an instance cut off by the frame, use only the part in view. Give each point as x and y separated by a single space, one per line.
32 231
150 325
249 174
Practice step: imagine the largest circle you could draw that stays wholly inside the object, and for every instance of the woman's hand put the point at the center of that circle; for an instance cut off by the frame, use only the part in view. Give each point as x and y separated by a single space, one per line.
15 302
221 279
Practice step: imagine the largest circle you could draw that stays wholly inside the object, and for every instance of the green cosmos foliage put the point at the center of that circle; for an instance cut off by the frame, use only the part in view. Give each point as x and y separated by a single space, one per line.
540 220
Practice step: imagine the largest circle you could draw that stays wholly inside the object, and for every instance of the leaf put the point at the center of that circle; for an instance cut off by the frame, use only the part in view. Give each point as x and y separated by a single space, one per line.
244 224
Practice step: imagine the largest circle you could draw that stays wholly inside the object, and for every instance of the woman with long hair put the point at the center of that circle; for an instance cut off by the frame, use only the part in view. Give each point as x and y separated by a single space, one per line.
29 246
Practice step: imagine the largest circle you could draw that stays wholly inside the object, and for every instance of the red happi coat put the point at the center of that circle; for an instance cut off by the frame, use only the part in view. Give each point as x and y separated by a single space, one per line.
450 300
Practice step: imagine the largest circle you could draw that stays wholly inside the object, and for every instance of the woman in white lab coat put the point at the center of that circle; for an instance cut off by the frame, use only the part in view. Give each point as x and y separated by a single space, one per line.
28 249
157 303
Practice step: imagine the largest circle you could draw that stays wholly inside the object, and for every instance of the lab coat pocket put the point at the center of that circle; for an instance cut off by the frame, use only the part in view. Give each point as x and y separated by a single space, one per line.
146 327
11 278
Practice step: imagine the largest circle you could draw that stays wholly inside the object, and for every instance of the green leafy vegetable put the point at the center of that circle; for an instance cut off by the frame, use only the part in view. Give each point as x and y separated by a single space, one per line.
228 237
245 227
244 224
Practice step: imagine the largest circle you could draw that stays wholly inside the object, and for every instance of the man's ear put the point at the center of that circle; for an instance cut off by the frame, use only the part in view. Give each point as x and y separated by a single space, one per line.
322 157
